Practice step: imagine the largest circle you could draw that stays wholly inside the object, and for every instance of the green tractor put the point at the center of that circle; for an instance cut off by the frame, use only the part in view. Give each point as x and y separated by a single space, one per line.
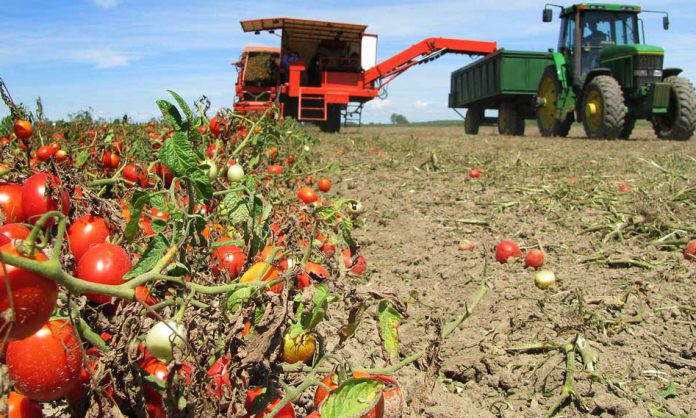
605 77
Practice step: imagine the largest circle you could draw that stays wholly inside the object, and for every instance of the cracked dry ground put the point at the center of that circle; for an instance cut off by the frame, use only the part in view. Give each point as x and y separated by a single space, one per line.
633 300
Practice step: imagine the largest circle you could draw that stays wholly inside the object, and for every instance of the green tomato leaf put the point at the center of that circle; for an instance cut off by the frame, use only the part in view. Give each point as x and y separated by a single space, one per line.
235 209
171 114
320 301
156 249
353 399
389 321
201 182
668 392
184 107
238 298
178 155
138 200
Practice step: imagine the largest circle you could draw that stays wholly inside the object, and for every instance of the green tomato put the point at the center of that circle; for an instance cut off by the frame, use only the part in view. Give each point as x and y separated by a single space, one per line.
212 170
163 337
235 173
544 279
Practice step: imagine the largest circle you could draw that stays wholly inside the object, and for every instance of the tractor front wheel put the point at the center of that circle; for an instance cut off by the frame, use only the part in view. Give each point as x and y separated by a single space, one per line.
472 120
548 93
510 119
680 120
603 107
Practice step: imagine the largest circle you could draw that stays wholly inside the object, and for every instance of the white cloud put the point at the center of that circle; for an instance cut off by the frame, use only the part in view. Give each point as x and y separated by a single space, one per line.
104 58
379 104
421 104
106 4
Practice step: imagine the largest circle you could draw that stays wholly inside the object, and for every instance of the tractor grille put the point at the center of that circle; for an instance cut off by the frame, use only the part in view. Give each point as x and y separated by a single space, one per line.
649 63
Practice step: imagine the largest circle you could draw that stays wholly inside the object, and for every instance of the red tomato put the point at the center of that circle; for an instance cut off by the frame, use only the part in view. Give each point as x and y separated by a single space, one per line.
36 201
275 169
690 251
19 406
23 129
45 152
103 263
34 296
10 232
624 188
85 232
534 258
163 172
311 271
146 222
215 126
324 185
61 155
259 410
46 365
475 173
136 174
219 377
153 398
56 145
506 249
11 202
307 195
228 257
357 266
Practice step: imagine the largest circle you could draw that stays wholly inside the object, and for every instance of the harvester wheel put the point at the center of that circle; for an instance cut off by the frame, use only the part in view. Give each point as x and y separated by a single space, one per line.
680 120
472 120
548 93
332 124
510 120
603 107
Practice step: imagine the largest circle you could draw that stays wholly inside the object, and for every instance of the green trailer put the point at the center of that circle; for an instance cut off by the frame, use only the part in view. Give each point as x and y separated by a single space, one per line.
506 81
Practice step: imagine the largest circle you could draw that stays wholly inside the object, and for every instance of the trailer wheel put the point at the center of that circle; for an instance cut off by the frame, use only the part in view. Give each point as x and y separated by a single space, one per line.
472 120
629 124
510 120
548 92
680 120
603 107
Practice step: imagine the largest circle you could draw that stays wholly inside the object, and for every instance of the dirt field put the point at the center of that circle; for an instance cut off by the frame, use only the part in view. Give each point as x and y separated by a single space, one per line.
630 298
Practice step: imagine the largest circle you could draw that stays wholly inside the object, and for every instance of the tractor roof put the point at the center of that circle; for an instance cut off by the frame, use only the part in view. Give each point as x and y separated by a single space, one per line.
301 29
610 7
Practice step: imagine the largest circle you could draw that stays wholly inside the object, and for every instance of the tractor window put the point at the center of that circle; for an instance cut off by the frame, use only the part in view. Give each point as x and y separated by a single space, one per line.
609 28
566 40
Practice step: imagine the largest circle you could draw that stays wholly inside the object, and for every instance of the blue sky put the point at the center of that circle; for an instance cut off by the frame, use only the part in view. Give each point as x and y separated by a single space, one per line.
119 56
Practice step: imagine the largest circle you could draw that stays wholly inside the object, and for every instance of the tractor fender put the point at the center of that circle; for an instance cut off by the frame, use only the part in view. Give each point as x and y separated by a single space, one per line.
669 72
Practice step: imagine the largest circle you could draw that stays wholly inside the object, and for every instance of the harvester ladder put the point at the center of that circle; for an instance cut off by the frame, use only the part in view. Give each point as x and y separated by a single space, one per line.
353 114
311 106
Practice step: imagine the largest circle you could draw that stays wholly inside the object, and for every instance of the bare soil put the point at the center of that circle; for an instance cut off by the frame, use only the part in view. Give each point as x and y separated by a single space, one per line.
630 297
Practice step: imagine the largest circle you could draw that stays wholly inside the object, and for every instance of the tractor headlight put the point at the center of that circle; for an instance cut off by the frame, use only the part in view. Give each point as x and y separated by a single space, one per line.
640 73
657 73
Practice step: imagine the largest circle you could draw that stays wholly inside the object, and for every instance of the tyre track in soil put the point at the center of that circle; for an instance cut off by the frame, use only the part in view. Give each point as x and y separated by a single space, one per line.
417 217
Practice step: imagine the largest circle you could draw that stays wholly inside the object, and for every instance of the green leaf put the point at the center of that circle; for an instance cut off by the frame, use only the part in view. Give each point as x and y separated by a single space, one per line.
171 114
238 298
156 249
184 107
389 321
81 158
353 399
320 300
138 200
235 209
668 392
355 316
347 230
178 155
201 182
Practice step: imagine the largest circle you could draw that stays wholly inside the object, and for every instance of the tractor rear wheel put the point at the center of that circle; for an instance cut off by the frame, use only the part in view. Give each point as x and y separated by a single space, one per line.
510 119
603 107
680 120
472 120
548 93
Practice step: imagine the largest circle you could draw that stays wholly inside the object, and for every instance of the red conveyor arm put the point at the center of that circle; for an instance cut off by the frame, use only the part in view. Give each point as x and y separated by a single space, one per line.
424 51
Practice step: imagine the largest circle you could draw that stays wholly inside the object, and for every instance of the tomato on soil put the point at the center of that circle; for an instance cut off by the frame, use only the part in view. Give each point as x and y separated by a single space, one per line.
34 296
218 374
46 365
37 199
299 348
85 232
11 202
506 249
690 251
106 264
534 258
324 185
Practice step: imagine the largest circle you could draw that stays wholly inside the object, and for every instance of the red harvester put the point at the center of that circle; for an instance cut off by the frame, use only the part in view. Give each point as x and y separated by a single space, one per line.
326 71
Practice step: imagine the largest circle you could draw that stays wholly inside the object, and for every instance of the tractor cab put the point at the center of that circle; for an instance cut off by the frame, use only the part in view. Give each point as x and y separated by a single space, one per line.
607 36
